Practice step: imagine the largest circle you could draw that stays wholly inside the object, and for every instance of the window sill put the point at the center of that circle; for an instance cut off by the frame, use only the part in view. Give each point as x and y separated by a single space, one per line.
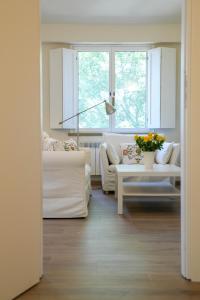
85 134
100 133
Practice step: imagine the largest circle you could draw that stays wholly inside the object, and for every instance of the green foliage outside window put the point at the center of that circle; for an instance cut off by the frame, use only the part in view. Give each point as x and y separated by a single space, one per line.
130 88
93 88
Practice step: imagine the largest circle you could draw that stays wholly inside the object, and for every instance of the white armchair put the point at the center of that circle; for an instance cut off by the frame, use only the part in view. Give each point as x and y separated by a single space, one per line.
66 184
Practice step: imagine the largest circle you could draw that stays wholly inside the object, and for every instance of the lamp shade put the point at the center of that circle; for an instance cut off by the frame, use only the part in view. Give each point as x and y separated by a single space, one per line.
109 108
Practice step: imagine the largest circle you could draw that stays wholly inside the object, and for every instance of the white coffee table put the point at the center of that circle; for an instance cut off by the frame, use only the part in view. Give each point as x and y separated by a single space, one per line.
132 188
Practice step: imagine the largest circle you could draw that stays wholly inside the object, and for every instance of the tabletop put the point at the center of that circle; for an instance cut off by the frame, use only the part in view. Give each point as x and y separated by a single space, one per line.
140 170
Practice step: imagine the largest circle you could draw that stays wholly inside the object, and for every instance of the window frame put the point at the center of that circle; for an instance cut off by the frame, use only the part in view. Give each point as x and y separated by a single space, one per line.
112 48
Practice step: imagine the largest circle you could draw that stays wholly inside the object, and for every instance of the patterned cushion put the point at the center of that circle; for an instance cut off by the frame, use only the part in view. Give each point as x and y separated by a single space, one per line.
131 154
70 145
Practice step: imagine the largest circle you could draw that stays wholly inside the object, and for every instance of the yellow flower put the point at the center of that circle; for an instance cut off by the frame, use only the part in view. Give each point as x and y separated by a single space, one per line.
150 136
160 138
146 138
136 137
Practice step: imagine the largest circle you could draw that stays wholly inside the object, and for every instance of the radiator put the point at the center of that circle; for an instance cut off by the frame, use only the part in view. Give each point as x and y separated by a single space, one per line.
95 162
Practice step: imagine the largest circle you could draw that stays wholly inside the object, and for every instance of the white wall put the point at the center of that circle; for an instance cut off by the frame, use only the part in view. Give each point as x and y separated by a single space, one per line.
77 33
20 153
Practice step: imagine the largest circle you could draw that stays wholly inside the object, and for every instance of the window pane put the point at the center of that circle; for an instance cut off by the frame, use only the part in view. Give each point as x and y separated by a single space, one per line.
93 88
130 89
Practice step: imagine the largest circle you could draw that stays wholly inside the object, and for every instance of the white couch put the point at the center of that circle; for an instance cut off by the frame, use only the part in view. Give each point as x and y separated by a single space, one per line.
66 184
107 170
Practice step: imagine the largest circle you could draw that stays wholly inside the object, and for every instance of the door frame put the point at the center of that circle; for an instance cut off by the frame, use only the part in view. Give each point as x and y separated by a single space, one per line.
190 94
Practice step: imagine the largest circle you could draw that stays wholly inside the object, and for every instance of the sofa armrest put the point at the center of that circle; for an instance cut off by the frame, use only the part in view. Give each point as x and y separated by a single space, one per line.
104 163
63 159
175 157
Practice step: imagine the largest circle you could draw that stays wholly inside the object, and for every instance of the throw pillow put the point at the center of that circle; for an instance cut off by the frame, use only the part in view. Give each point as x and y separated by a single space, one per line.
163 155
113 157
49 144
44 135
59 146
131 153
70 145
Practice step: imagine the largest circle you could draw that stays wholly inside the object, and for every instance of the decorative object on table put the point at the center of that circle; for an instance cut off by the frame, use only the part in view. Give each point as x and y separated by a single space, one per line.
70 145
131 153
149 144
109 108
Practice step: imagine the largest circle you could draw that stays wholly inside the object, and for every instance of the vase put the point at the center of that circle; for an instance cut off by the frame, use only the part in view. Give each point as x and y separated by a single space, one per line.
149 159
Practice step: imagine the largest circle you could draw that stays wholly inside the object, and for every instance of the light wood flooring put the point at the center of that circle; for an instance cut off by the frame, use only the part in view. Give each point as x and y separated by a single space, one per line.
109 257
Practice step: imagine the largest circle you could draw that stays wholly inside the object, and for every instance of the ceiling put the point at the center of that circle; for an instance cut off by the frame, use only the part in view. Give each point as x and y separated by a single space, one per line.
111 11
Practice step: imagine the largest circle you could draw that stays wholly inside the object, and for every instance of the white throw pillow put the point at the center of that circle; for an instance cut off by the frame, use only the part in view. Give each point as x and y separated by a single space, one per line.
45 135
112 155
49 144
163 155
131 154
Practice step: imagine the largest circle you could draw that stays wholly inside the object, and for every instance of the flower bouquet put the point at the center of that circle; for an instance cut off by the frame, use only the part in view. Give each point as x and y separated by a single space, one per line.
149 144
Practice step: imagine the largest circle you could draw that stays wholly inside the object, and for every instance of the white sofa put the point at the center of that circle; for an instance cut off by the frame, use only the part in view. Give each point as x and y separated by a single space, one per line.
107 170
66 184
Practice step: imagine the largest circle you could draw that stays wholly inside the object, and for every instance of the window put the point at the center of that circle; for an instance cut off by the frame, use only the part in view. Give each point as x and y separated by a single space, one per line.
93 86
118 75
130 89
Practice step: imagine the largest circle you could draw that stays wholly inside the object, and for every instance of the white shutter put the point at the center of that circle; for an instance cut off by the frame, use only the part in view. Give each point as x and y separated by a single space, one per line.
62 82
161 87
154 62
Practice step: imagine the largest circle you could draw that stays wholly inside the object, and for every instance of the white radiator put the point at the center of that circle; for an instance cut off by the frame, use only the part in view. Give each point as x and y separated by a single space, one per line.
95 162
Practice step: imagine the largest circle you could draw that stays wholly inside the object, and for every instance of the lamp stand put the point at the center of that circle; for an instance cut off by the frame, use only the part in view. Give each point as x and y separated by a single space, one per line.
110 109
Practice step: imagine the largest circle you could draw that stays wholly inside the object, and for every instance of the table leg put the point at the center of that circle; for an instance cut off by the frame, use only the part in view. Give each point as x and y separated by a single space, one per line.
173 181
120 195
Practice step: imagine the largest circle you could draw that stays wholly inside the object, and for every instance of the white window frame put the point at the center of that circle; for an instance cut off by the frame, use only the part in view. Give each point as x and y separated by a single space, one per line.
111 48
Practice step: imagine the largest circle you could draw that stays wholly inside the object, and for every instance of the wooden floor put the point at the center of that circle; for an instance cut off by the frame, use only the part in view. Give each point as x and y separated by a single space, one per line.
111 257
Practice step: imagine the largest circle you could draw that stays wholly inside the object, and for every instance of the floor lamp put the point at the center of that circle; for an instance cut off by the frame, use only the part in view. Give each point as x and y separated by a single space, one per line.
109 108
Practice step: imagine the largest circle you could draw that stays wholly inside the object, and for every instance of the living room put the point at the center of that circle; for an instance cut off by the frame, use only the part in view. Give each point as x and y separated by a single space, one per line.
96 57
114 217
